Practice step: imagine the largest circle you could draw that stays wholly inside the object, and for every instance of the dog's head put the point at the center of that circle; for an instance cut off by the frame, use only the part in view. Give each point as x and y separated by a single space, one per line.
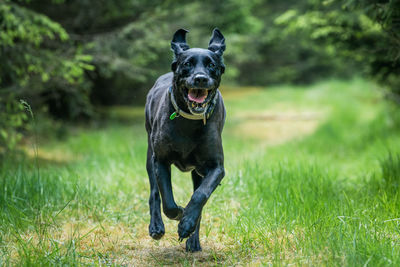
197 71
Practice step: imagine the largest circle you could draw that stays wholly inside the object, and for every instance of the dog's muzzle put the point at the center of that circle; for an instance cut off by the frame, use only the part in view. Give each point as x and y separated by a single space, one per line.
208 108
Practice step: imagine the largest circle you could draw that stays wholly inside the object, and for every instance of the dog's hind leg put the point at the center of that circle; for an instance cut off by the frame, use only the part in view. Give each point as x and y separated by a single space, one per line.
156 227
193 242
163 176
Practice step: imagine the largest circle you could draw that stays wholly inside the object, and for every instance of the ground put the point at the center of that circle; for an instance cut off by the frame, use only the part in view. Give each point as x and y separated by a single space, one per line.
311 179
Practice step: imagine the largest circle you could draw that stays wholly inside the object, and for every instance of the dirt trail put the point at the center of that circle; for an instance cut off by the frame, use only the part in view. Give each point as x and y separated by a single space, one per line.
118 244
275 124
274 127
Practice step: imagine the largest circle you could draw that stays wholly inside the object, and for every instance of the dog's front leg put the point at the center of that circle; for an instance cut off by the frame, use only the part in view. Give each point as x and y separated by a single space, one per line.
193 242
163 176
192 212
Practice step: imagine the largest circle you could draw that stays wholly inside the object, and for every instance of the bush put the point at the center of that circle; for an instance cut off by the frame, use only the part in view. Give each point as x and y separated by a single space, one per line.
12 122
38 63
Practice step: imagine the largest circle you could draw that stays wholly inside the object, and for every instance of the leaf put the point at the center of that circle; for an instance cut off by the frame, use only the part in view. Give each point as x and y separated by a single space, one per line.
4 134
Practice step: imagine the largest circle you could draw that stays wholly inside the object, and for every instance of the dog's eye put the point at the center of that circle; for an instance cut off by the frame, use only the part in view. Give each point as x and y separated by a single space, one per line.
187 64
211 65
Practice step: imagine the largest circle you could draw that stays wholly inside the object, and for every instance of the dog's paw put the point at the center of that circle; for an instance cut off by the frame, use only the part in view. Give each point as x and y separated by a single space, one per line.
156 230
193 243
186 227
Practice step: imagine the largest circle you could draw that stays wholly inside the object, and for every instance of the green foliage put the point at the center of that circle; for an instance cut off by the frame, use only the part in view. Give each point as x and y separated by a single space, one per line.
39 65
386 63
35 63
129 64
12 122
364 32
23 32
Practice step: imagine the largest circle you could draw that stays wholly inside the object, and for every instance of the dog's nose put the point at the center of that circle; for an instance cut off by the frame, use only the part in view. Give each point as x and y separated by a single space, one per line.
201 80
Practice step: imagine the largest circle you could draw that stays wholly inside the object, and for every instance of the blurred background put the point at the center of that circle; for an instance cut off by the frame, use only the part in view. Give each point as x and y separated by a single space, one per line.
68 59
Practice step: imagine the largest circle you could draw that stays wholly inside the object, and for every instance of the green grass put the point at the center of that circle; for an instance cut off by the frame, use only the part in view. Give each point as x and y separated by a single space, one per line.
312 178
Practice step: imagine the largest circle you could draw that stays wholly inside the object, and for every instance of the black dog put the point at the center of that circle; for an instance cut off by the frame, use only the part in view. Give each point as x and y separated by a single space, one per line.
185 115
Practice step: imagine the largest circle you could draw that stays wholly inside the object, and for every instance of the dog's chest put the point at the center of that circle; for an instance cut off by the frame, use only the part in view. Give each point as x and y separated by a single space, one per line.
174 143
177 147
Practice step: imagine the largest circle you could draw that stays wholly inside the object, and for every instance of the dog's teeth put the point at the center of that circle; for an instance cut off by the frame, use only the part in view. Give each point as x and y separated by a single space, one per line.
204 105
192 104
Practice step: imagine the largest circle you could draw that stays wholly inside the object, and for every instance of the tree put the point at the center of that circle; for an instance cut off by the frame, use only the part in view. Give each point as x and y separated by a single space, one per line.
35 65
364 32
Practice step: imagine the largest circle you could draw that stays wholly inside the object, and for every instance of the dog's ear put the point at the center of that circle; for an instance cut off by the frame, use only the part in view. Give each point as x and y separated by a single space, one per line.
178 45
217 42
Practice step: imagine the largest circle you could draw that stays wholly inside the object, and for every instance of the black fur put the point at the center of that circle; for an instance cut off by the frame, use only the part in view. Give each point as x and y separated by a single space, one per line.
188 144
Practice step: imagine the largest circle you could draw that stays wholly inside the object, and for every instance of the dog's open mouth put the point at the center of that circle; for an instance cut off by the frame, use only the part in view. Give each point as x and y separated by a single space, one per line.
197 96
197 100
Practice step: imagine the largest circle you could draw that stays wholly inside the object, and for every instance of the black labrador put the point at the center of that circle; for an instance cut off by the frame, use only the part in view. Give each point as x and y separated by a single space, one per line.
185 115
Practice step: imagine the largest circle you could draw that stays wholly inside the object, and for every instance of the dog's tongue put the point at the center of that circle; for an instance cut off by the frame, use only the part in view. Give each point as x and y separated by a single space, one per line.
197 95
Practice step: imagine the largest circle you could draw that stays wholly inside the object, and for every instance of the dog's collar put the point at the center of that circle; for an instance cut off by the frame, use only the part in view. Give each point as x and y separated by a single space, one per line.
178 112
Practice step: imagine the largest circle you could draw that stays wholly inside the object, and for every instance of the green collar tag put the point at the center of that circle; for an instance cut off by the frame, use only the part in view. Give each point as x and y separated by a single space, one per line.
173 116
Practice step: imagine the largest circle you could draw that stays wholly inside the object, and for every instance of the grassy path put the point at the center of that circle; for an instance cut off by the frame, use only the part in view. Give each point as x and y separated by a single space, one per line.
312 179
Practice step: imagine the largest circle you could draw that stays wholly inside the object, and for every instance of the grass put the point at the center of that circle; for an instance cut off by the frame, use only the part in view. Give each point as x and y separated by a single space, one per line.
312 178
